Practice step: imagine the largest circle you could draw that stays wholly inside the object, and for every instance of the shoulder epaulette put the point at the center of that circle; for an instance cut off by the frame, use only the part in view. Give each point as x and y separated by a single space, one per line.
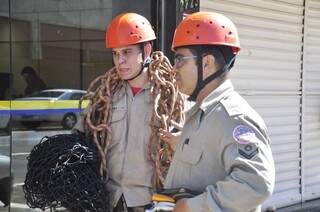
232 107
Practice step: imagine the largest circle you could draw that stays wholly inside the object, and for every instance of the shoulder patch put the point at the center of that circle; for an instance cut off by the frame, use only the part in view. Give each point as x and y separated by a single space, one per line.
248 151
231 107
244 134
246 140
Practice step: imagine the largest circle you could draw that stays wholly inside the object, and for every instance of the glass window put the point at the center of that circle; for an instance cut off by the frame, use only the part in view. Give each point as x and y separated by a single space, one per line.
55 44
5 97
53 94
76 96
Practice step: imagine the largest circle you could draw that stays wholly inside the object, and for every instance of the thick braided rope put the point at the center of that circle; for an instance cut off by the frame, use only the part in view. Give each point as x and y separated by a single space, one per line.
168 106
97 119
167 102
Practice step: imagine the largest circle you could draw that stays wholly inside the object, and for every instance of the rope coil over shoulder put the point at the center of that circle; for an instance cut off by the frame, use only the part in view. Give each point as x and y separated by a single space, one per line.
167 102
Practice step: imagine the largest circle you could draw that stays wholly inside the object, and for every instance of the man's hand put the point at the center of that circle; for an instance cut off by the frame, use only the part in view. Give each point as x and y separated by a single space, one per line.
181 206
171 138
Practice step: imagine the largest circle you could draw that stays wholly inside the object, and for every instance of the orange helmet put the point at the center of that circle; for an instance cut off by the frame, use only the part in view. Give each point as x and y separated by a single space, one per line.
206 28
128 29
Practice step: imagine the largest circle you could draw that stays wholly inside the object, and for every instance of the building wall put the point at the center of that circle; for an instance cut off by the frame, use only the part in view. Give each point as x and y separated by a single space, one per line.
310 149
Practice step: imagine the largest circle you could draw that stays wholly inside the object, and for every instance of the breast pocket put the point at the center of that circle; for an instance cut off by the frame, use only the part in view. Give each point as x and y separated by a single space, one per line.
118 125
190 154
189 162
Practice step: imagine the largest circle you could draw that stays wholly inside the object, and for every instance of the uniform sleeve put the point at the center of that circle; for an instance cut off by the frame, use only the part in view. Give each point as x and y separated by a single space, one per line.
80 122
247 159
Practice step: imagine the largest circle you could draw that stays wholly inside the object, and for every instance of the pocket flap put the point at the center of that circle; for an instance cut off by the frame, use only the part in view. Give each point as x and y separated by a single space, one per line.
190 154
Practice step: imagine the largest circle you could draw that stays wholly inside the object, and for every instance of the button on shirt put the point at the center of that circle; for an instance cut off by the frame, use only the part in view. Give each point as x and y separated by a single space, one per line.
224 154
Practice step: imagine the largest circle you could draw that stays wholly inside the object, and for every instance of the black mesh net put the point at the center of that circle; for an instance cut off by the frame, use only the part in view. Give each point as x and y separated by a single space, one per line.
63 170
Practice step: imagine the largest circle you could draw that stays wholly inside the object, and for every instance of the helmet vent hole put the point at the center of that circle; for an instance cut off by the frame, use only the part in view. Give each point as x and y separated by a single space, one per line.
188 32
198 25
131 33
230 33
197 37
223 26
140 37
210 22
143 23
137 26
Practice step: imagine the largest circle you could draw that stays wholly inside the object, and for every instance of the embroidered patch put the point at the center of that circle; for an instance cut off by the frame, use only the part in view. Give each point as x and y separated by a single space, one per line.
243 134
247 141
248 151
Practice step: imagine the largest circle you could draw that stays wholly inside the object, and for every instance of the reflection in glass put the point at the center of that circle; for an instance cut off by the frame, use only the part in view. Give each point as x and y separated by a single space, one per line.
5 179
63 43
4 29
189 6
4 105
61 108
60 64
96 60
5 96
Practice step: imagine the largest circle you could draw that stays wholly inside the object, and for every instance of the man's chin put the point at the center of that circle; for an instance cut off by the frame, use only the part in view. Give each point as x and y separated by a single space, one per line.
124 76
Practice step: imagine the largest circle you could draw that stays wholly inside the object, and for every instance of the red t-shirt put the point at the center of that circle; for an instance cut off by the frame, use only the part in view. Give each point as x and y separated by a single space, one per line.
135 90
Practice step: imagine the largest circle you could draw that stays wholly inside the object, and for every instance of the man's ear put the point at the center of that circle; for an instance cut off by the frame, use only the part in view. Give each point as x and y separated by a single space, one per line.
208 65
147 49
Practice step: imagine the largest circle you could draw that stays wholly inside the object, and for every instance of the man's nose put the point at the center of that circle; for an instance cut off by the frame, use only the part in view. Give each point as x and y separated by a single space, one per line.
121 59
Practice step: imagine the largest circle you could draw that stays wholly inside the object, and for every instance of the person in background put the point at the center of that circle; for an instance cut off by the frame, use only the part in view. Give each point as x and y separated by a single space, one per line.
34 82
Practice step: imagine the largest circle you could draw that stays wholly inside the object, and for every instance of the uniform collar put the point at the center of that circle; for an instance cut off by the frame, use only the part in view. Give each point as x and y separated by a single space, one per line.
212 99
147 86
216 95
146 95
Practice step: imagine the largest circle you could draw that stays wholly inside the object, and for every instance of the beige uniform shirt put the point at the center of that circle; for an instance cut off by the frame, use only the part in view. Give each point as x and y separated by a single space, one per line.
225 156
129 169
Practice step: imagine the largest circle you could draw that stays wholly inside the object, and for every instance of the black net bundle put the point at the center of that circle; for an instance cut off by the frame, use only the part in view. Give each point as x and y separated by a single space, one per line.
63 170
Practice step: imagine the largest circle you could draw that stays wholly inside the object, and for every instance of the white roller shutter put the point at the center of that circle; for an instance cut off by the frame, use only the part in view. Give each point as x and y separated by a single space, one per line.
268 74
311 103
282 115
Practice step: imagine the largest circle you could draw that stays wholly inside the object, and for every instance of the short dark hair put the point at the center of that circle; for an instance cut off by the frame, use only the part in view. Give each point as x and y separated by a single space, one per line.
28 70
222 54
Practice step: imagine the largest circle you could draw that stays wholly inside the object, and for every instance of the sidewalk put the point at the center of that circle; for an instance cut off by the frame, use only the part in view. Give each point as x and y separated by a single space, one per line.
309 206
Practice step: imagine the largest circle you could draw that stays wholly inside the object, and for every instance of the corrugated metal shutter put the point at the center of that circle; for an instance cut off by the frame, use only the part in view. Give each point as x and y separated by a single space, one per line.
311 103
268 74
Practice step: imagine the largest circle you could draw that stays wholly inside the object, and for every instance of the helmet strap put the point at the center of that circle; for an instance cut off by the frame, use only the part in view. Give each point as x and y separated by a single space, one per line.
146 62
202 83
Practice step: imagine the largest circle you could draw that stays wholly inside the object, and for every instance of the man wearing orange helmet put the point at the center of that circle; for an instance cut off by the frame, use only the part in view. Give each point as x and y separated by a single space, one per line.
130 171
129 36
224 152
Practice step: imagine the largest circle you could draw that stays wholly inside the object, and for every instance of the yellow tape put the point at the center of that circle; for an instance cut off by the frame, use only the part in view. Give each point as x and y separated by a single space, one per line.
32 105
162 198
4 105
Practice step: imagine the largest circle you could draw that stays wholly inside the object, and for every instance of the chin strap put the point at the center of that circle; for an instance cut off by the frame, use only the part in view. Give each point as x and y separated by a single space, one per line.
144 64
202 83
